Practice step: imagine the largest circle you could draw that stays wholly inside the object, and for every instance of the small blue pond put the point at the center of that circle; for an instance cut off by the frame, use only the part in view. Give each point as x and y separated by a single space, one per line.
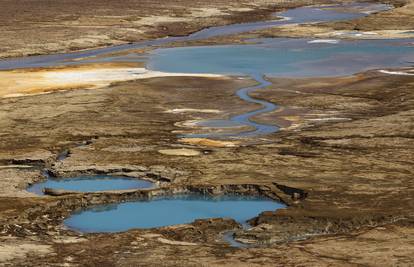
167 211
91 184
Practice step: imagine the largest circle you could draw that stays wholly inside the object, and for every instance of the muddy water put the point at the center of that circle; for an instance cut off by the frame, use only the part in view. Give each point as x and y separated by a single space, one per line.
167 211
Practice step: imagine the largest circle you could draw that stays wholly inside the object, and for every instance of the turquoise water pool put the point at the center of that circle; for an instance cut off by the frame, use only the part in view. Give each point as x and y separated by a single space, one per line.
167 211
90 184
286 57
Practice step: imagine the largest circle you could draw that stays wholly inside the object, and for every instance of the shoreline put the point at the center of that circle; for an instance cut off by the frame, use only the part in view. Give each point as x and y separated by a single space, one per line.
23 82
167 23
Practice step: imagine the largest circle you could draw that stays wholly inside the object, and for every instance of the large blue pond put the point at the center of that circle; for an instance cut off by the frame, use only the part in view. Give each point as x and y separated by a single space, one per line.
90 184
287 57
168 211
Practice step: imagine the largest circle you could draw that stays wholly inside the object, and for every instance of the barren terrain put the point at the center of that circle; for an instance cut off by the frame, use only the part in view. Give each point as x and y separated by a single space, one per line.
342 162
356 172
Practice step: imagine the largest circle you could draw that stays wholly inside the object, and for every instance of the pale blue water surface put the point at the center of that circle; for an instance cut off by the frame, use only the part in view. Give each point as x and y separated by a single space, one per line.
286 57
167 211
90 184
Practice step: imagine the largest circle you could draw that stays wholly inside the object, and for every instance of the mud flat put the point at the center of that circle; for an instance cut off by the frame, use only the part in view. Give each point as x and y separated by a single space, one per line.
342 164
348 182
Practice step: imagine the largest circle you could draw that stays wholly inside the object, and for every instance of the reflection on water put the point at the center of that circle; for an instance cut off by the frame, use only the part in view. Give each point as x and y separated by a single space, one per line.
90 184
166 211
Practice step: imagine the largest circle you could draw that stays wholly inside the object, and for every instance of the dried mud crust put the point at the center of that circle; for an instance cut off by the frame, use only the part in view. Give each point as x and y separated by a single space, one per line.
352 178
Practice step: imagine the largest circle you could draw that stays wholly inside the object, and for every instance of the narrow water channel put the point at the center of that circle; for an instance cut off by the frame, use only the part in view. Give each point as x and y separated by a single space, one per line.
245 118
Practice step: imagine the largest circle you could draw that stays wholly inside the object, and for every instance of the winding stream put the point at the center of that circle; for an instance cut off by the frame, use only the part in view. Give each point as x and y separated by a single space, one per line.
244 119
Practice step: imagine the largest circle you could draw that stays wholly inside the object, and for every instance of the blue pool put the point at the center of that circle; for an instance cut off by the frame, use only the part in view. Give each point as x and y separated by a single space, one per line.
167 211
90 184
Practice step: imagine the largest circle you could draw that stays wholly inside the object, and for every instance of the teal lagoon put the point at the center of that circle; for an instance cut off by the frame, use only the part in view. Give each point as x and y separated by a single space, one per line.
90 184
166 211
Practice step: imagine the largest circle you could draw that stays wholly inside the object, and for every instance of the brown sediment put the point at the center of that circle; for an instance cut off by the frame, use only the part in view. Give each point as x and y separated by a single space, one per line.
209 142
343 180
342 162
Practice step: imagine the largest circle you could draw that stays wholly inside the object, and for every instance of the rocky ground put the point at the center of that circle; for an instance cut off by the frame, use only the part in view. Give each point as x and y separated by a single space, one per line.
346 152
343 163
